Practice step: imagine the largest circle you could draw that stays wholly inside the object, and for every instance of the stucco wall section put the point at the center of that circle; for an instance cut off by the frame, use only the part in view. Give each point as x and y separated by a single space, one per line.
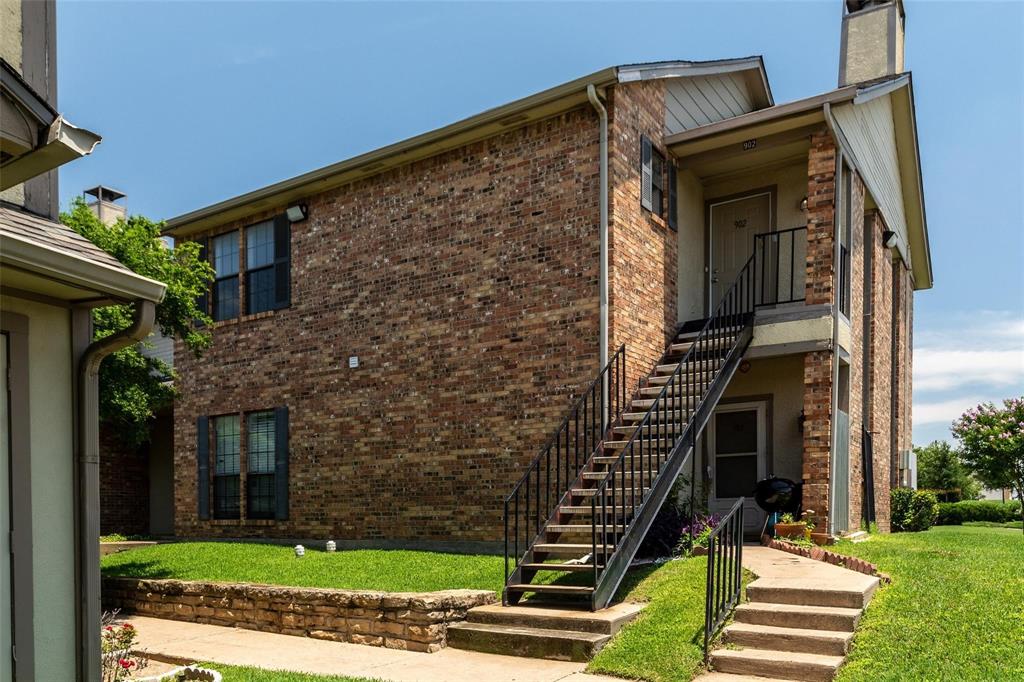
53 492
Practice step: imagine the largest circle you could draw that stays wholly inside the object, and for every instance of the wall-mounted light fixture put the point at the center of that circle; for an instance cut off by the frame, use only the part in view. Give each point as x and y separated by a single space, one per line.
800 421
889 239
297 213
803 204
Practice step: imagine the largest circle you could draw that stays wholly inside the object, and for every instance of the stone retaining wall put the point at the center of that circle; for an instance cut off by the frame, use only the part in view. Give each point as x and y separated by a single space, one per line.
397 620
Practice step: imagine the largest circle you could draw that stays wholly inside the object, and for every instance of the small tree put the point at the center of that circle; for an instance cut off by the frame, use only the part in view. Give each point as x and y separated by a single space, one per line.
993 444
939 469
132 386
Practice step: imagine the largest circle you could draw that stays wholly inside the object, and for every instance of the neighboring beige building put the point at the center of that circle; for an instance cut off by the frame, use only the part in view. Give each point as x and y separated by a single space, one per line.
50 280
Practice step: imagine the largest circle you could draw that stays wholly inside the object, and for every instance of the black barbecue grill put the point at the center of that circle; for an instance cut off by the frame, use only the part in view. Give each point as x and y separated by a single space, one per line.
779 495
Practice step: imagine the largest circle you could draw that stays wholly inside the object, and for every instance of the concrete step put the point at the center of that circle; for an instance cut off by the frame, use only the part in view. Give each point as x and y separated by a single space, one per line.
787 665
579 529
605 622
617 445
673 402
669 416
660 380
855 595
825 642
584 509
587 493
729 677
558 645
627 475
651 431
794 616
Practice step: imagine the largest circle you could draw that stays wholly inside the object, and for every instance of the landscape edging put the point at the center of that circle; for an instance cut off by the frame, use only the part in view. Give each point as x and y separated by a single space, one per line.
415 621
820 554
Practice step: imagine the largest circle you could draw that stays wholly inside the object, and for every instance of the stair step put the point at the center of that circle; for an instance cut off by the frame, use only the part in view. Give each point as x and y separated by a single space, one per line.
788 665
619 444
648 430
578 549
782 591
565 568
606 460
600 475
559 645
550 589
590 492
585 509
793 616
680 347
675 389
662 379
646 403
581 528
604 622
658 416
825 642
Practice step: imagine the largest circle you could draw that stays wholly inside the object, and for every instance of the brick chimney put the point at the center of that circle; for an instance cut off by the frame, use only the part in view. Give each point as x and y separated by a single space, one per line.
103 206
871 45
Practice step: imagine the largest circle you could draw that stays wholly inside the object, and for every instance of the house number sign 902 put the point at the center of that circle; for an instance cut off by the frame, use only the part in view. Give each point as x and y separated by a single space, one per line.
749 144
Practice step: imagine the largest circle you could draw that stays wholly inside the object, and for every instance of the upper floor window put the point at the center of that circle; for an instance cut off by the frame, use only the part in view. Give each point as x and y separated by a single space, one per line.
267 267
225 283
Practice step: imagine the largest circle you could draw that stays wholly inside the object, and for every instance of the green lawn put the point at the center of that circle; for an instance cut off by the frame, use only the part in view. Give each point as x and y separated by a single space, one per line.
665 642
364 569
955 609
233 673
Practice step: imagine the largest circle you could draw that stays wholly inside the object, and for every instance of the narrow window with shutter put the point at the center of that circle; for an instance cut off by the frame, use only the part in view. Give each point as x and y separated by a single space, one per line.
261 465
645 173
673 198
225 284
227 467
657 183
281 463
203 466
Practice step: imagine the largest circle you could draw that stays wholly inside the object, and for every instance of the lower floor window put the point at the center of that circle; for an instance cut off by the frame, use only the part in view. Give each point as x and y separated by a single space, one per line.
260 472
227 469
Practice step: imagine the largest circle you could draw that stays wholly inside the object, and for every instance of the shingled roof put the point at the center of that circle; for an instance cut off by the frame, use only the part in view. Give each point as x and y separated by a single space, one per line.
54 236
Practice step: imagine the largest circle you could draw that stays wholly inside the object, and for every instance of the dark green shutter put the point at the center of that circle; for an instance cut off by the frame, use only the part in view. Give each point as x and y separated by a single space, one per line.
646 174
673 198
203 301
203 461
282 262
281 462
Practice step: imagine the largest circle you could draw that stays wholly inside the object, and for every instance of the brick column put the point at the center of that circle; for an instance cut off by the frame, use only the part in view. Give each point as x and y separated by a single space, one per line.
821 192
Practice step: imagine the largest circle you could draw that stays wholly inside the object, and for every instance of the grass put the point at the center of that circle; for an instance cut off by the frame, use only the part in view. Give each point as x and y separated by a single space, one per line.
233 673
994 524
955 609
665 642
364 569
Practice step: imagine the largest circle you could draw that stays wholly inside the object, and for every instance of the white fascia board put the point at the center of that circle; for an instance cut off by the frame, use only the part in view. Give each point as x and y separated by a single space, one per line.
65 267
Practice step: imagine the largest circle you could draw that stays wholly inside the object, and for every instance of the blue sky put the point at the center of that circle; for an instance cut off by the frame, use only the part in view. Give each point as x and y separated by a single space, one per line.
200 101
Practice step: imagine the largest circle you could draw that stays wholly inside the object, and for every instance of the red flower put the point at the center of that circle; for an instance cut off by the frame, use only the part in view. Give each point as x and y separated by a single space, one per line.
125 663
128 626
109 628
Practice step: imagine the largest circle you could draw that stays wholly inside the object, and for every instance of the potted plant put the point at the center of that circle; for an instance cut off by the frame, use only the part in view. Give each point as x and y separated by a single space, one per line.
788 527
817 538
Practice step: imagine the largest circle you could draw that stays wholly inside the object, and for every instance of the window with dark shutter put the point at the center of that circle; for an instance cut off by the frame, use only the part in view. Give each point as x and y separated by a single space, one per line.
261 465
203 466
657 183
281 463
227 467
203 300
225 283
267 265
646 189
673 198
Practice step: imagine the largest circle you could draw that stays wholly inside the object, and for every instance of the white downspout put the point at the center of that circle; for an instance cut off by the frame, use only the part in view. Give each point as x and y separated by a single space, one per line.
603 115
837 206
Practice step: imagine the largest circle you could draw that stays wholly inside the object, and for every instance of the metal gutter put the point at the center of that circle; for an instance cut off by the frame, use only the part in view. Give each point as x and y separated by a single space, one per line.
64 143
88 493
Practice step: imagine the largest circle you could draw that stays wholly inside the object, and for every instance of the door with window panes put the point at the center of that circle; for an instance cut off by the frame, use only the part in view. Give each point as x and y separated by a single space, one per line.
737 447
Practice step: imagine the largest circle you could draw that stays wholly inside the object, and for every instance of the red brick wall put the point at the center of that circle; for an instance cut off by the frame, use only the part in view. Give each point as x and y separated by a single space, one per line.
856 399
817 433
643 262
467 284
124 487
880 389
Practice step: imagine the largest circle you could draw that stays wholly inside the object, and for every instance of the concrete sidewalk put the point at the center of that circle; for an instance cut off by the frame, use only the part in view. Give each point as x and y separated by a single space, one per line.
191 642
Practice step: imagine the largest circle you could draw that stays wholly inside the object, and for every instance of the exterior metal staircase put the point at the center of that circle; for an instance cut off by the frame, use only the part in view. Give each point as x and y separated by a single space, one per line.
576 518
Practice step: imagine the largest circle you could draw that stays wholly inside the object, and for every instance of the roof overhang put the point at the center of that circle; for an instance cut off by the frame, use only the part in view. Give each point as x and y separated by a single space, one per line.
481 126
777 120
69 277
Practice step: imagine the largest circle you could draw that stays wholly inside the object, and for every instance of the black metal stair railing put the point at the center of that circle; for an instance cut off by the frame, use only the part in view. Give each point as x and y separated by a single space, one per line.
664 438
780 259
546 481
725 571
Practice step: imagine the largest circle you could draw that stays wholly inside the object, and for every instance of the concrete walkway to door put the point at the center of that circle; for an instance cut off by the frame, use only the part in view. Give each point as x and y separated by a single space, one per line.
179 642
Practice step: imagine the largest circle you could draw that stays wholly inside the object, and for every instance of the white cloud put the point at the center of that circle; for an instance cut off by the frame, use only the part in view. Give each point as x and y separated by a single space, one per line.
982 349
944 411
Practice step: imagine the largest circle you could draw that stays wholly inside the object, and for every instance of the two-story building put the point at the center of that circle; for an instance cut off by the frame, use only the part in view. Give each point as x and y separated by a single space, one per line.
397 335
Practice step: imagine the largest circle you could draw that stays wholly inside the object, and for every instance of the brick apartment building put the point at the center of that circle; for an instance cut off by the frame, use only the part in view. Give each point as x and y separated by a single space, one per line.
399 334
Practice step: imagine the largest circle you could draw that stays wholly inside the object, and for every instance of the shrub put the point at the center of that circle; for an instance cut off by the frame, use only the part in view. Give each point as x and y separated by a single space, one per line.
957 513
703 524
913 510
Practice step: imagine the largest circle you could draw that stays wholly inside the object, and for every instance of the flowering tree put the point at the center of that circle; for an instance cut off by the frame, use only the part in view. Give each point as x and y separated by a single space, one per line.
993 444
